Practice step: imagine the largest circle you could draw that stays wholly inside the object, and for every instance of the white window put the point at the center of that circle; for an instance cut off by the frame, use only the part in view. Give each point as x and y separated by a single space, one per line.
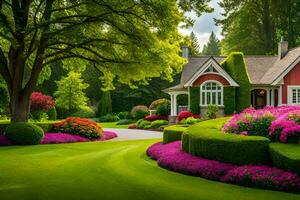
293 94
211 93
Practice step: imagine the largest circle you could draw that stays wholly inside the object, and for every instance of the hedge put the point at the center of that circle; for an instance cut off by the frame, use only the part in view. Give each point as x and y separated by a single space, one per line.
173 133
195 100
206 140
46 126
286 156
229 100
235 66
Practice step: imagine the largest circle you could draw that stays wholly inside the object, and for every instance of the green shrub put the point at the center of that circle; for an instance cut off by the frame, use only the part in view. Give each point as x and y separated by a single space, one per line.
143 123
139 112
108 118
52 115
124 115
125 121
22 133
190 121
105 105
212 111
163 110
46 126
173 133
84 112
206 140
154 105
39 115
158 123
286 156
4 98
195 100
229 100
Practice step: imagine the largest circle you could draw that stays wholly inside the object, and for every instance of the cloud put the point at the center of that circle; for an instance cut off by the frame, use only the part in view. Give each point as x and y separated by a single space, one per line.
205 24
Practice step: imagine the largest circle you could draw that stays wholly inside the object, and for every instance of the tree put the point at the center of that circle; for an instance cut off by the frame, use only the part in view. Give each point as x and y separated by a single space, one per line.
70 94
128 40
104 105
194 47
213 46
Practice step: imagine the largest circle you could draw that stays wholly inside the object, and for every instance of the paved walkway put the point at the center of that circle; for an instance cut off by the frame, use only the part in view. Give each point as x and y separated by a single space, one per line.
134 134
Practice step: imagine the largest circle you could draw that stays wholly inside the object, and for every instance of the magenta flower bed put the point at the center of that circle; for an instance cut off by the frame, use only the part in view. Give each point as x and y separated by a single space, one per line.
171 157
59 138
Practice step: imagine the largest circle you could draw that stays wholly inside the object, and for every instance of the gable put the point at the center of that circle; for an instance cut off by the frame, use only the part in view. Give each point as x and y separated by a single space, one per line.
210 76
211 66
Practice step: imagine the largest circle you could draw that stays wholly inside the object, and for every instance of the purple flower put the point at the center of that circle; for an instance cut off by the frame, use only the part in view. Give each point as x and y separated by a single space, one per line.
4 141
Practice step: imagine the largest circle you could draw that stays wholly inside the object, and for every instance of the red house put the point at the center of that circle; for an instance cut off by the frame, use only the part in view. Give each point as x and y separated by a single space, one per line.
232 85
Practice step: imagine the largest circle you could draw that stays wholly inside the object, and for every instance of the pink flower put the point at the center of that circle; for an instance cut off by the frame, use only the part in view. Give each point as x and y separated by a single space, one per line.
244 133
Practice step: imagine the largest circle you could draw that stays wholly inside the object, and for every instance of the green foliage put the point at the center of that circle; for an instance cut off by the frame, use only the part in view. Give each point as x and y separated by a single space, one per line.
125 122
213 46
194 46
46 126
158 123
104 105
84 112
190 121
286 156
173 133
124 115
108 118
39 115
70 92
195 100
139 112
52 115
159 102
163 110
229 100
236 67
4 97
24 133
212 111
206 139
143 124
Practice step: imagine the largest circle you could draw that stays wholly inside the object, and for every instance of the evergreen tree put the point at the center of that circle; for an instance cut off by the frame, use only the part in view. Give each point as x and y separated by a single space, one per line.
70 92
104 105
194 47
213 46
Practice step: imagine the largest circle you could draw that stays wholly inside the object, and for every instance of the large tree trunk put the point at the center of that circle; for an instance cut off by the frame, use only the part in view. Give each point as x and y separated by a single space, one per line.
20 107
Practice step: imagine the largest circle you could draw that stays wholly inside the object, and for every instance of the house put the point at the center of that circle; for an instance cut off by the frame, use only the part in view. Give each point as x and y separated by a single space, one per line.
236 81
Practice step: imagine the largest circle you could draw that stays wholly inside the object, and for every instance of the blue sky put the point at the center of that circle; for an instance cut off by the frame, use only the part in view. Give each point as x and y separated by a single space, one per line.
205 24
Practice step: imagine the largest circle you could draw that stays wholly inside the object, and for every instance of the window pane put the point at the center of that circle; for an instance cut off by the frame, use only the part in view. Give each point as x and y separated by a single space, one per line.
214 97
294 96
208 98
203 98
214 86
298 96
208 86
219 98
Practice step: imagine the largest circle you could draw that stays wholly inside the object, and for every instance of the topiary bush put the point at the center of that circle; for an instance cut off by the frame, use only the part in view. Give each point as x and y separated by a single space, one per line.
84 112
158 123
52 114
190 121
22 133
139 112
163 110
143 124
206 140
173 133
154 105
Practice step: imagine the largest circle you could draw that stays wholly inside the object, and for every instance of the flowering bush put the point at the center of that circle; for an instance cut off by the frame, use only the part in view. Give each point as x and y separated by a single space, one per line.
171 157
79 126
132 126
155 117
183 115
41 102
269 122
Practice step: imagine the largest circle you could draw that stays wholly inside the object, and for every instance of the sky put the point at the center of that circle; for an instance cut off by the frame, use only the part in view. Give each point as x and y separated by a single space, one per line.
205 24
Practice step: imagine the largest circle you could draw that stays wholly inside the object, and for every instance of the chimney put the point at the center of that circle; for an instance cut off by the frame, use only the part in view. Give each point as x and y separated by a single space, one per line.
283 47
185 51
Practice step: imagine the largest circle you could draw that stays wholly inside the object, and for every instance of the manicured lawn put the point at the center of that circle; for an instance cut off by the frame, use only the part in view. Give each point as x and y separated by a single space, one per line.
113 125
106 170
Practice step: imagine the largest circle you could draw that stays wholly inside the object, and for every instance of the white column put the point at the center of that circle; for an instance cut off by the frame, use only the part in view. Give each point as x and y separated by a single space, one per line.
268 97
280 96
175 105
172 104
272 97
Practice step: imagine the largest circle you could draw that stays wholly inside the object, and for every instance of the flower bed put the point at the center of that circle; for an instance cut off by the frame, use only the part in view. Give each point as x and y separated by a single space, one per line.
278 123
59 138
171 157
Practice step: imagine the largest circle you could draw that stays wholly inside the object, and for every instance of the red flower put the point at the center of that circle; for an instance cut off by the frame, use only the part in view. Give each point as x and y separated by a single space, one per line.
40 101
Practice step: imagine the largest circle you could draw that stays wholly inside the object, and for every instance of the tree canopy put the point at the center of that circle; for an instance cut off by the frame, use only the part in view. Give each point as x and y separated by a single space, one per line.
213 46
194 46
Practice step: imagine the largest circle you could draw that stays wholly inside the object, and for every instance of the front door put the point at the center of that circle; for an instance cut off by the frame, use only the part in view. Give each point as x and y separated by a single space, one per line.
258 98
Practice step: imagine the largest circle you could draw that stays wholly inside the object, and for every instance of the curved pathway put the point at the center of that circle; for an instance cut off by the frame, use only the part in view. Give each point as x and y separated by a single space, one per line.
134 134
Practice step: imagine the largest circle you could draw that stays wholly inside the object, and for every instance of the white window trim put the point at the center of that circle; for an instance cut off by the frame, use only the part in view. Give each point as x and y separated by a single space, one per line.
222 93
290 94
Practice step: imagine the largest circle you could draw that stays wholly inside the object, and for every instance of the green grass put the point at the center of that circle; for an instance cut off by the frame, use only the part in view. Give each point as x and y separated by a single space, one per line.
106 170
112 125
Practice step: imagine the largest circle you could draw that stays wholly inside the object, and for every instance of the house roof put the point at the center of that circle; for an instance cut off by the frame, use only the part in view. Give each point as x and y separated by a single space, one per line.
262 70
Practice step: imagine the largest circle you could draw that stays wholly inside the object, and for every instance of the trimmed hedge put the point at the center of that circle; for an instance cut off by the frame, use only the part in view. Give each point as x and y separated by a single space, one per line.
22 133
229 100
206 140
46 126
173 133
195 100
236 68
286 156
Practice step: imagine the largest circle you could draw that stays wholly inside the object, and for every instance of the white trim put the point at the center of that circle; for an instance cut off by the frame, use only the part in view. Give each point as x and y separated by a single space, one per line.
290 94
280 96
216 65
286 71
222 93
